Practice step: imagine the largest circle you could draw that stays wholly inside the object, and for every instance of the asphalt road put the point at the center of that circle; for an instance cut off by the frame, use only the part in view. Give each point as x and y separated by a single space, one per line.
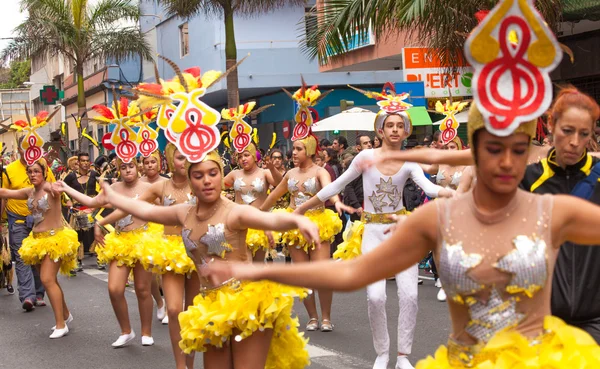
24 341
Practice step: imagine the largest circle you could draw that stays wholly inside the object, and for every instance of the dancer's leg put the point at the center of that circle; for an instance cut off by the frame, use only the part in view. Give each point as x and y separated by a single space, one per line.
48 271
215 358
155 290
325 296
143 281
299 256
192 289
173 285
117 278
408 300
251 352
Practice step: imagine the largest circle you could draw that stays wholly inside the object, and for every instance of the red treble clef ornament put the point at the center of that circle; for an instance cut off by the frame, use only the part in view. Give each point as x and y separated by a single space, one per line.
148 145
242 139
126 149
33 152
197 139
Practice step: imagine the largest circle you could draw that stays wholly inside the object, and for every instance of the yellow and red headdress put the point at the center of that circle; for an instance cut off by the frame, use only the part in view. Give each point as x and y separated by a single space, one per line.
146 135
390 103
121 115
449 127
241 132
306 97
32 143
188 122
512 51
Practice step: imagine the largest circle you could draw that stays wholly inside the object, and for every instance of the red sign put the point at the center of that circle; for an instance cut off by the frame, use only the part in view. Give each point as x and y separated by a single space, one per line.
106 142
286 129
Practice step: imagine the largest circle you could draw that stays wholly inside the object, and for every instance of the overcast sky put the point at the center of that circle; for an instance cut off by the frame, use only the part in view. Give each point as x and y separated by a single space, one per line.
10 17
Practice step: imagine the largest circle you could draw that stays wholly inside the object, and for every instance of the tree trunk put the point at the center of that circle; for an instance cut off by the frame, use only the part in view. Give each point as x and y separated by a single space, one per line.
233 93
81 105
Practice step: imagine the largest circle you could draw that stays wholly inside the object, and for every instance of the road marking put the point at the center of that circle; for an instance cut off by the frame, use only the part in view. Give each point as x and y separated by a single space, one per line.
313 351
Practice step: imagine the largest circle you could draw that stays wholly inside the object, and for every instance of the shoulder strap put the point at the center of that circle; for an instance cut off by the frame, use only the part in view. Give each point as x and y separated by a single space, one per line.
584 188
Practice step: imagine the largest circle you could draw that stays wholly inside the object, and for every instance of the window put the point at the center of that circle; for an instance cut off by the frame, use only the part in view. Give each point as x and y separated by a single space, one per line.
184 39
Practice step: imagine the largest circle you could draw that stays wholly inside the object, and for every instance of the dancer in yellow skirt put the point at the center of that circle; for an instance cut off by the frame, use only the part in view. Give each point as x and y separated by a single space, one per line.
250 183
169 258
496 246
52 245
303 182
123 246
234 323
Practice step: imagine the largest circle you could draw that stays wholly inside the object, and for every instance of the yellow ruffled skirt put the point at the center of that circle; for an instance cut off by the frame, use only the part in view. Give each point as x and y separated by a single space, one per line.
329 224
167 256
237 310
60 245
563 346
129 247
352 245
257 240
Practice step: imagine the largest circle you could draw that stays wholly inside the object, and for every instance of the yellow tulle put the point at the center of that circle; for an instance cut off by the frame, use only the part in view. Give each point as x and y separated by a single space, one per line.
352 245
167 256
329 224
257 240
564 346
61 246
126 248
242 310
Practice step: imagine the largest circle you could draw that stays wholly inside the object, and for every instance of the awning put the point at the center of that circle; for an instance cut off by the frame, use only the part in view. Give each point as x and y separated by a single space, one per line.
419 116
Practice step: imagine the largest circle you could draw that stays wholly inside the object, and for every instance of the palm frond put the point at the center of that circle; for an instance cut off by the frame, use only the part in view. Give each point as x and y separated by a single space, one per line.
120 44
439 24
255 7
189 8
111 11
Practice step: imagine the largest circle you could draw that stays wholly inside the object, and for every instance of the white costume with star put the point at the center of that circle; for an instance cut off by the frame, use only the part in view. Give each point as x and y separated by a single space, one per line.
383 194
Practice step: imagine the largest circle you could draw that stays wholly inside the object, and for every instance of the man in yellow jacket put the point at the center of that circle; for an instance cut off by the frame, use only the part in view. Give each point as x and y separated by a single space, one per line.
20 223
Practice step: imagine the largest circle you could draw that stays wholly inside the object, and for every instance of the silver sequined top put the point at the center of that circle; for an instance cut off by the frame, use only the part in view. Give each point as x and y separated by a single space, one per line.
38 210
496 264
310 189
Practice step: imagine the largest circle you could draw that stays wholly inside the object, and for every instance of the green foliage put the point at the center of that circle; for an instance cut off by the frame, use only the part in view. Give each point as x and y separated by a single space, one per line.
79 31
438 24
14 76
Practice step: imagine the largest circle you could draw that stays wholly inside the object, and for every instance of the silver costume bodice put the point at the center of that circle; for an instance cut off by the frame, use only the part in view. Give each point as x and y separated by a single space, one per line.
496 265
38 210
257 187
309 189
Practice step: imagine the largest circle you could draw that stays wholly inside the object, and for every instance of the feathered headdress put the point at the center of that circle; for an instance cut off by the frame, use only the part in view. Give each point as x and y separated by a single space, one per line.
306 97
389 103
241 132
187 122
122 115
32 143
511 82
146 135
449 127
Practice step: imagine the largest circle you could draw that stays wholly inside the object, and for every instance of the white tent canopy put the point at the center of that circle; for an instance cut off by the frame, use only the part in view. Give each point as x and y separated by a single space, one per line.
355 119
462 117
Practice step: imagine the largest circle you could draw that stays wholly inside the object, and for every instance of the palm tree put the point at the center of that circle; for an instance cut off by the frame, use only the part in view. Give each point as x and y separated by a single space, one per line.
438 24
79 32
226 9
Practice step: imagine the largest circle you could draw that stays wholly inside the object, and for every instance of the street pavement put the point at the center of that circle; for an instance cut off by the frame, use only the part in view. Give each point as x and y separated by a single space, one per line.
24 341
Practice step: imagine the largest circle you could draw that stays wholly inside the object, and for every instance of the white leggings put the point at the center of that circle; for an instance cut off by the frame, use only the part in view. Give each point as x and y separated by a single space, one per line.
407 283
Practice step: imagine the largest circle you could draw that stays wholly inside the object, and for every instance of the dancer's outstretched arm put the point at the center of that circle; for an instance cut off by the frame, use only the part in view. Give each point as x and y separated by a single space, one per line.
274 177
453 158
413 240
275 195
575 220
152 193
167 215
21 194
332 189
90 202
246 216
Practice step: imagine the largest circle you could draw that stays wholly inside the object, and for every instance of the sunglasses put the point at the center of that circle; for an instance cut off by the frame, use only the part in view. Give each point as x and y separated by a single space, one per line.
277 157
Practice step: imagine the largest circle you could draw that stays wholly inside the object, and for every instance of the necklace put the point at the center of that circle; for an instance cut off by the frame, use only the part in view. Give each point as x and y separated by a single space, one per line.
179 185
211 211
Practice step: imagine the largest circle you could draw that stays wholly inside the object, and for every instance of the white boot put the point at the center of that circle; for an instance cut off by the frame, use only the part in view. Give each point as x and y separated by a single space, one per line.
123 340
382 361
58 333
441 296
403 363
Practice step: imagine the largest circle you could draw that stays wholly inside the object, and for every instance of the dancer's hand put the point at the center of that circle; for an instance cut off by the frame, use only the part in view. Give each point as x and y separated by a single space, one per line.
271 239
58 186
446 192
105 196
399 220
309 230
218 270
98 235
340 207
